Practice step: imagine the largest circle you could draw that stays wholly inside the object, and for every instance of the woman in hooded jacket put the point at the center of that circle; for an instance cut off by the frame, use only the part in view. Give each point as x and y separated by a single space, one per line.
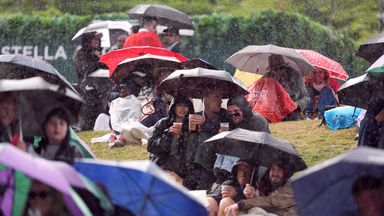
55 144
173 146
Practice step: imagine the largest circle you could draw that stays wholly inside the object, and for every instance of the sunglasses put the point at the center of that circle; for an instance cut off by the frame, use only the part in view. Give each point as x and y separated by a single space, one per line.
236 114
42 195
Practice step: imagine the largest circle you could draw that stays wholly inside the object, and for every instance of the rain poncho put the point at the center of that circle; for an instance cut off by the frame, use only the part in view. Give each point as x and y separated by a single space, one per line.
143 39
270 99
293 83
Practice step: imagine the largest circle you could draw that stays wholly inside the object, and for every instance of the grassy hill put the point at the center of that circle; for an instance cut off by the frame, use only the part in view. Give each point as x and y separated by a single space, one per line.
314 143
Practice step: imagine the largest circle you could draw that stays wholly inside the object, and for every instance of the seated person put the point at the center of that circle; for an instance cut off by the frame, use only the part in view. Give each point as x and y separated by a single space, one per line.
55 143
368 194
318 86
232 189
9 127
292 82
171 142
273 194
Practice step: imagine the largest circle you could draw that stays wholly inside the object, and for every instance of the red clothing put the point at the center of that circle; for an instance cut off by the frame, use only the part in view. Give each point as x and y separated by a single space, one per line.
143 39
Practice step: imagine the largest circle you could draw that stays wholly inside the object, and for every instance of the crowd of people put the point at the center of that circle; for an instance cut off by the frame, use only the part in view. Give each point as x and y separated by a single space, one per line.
174 132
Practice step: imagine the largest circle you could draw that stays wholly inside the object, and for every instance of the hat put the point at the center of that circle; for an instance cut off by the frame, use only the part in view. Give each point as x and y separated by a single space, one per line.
276 61
172 30
140 74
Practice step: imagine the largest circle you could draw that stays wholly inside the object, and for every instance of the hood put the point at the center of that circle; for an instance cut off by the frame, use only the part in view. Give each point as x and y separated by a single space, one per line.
243 104
180 99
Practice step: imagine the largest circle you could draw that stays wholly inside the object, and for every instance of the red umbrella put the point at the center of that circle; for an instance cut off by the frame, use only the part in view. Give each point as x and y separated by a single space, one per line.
334 69
114 58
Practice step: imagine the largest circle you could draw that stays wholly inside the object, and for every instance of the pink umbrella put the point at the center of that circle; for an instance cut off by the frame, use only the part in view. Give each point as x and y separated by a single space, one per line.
334 69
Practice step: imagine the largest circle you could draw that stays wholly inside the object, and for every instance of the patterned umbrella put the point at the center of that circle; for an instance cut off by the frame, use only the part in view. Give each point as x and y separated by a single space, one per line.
334 69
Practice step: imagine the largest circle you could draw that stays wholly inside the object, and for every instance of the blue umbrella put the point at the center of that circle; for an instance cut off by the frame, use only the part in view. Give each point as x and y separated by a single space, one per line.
325 189
141 187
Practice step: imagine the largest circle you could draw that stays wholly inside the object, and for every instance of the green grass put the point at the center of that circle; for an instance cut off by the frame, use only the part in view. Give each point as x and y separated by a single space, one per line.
314 143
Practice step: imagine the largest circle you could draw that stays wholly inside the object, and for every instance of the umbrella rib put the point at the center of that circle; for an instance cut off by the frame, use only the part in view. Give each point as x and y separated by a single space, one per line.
147 197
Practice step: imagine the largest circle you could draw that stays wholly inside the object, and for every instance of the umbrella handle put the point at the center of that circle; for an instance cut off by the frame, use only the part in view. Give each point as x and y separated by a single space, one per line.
253 175
178 90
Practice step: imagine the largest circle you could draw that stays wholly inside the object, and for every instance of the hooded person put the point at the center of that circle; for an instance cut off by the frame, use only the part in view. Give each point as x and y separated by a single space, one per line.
171 144
55 143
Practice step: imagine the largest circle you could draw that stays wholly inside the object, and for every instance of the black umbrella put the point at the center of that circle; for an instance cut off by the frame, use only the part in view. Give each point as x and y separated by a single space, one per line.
166 15
372 49
259 147
362 90
194 63
36 98
17 66
194 82
326 189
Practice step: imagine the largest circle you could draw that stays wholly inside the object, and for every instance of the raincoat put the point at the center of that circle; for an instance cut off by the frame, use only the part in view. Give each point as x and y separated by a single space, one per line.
293 83
371 132
172 153
143 39
281 202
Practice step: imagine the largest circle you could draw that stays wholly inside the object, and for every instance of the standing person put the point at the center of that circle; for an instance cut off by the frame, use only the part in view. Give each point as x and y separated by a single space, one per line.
320 93
371 132
55 143
292 82
171 143
146 36
172 37
120 42
208 123
274 195
9 126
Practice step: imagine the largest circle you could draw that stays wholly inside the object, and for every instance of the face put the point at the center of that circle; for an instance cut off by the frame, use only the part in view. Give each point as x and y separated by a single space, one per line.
171 38
56 129
244 173
120 41
151 27
95 42
8 112
140 81
181 110
213 101
371 200
235 113
276 175
319 75
41 198
278 70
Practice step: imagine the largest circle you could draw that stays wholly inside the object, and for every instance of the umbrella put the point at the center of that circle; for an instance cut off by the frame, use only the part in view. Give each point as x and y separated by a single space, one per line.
17 66
194 82
58 175
362 90
372 49
141 187
37 98
166 15
335 70
152 56
325 189
194 63
100 73
182 32
111 30
255 59
259 147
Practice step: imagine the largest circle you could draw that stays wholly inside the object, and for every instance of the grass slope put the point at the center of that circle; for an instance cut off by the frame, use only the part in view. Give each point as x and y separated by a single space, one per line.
314 143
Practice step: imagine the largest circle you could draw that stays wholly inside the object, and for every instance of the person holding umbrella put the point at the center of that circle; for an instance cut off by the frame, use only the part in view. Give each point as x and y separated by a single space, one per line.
55 144
171 143
273 195
172 36
292 82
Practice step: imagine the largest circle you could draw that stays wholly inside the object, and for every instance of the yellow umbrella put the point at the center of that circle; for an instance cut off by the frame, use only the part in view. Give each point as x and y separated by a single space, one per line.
246 77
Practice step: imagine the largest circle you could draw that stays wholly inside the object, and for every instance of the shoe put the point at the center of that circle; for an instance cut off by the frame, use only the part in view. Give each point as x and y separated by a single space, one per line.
112 138
139 134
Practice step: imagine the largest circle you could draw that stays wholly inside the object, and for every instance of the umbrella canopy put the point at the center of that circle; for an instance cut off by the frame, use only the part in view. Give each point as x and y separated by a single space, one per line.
166 15
111 30
372 49
57 175
362 90
139 54
325 189
255 59
259 147
37 98
141 187
334 69
100 73
194 63
194 82
17 66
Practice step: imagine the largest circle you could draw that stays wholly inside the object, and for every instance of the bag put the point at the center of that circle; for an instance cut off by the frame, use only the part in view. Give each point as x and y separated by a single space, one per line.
123 111
341 117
